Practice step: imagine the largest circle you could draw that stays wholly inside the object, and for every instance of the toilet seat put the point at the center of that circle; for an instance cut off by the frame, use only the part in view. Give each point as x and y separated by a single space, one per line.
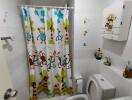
91 80
78 97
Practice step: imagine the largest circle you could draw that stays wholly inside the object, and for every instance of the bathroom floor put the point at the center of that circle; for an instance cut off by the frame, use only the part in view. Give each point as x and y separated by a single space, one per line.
57 98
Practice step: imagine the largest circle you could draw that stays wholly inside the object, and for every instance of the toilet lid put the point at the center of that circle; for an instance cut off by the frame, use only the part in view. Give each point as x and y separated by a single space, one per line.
93 91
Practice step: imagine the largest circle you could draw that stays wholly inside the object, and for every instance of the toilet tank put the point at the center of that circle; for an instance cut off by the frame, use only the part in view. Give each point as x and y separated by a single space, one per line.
104 89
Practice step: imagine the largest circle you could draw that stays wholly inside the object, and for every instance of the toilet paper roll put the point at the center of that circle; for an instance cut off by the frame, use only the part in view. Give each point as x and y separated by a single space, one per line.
79 85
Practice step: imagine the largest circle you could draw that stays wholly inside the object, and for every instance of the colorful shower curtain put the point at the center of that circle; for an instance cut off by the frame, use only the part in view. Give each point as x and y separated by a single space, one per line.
47 40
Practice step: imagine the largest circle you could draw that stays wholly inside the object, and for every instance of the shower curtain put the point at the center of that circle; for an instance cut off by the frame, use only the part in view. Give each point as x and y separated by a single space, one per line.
47 40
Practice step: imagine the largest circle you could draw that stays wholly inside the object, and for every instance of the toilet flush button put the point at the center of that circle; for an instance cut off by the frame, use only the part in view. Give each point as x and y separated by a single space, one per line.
102 79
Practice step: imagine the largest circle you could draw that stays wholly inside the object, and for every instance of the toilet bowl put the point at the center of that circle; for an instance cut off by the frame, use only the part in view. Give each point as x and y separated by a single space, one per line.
78 97
123 98
98 88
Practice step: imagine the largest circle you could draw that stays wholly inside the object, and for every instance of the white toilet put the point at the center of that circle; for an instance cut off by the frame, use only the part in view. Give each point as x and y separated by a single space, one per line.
123 98
98 88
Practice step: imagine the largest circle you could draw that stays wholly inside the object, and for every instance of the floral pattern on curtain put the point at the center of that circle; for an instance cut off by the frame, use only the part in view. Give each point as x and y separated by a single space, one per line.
47 40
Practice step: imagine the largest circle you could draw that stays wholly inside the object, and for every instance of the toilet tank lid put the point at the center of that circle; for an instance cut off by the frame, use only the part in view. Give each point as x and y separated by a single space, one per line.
103 83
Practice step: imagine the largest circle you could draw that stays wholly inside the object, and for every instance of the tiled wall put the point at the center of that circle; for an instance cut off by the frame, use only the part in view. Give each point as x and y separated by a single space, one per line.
15 49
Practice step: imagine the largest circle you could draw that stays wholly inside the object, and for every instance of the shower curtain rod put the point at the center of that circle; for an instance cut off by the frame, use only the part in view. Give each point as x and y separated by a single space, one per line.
46 6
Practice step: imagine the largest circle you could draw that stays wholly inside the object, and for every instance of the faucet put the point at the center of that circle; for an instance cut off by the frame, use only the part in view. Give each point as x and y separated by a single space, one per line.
10 93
